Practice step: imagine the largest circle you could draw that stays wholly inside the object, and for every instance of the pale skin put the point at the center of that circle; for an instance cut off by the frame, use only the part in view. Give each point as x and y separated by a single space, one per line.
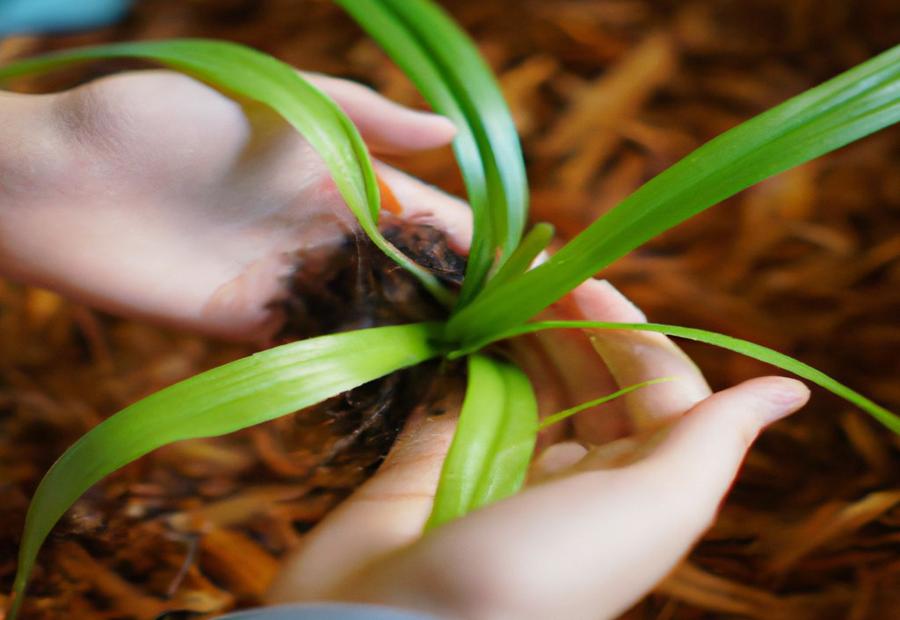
151 195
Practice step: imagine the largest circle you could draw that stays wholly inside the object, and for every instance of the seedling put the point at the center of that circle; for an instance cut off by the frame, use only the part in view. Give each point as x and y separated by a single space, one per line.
498 424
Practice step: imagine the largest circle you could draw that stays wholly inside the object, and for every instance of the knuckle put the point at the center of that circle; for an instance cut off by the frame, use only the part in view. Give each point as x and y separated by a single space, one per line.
30 162
97 115
132 116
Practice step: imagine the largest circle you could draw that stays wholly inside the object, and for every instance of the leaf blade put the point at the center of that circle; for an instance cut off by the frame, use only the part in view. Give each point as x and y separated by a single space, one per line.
515 441
267 385
493 443
843 109
446 67
520 261
737 345
483 100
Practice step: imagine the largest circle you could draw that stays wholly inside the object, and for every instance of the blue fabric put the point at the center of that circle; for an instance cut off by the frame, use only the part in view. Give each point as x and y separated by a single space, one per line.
30 16
327 611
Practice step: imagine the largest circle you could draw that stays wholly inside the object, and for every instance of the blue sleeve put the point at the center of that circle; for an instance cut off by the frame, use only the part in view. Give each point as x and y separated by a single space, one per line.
32 16
327 611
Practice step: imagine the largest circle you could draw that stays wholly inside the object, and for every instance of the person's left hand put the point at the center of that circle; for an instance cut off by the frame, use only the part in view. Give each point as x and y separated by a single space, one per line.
150 194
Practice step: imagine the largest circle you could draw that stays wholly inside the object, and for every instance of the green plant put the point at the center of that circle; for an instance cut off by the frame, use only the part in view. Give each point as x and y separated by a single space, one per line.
498 424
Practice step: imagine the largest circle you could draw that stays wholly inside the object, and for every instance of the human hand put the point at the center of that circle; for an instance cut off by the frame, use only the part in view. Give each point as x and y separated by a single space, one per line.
600 523
150 194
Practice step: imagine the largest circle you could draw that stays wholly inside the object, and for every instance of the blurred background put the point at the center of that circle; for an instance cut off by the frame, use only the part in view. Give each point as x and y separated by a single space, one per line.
606 93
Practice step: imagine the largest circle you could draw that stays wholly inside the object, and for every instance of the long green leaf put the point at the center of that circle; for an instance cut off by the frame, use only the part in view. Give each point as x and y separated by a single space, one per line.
846 108
228 398
744 347
258 77
486 108
493 444
446 67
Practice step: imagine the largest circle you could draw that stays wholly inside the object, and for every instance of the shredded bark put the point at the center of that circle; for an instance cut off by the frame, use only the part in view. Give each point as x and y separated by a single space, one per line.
606 93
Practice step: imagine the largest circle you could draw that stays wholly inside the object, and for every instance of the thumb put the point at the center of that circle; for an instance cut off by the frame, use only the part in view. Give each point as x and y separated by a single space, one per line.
700 457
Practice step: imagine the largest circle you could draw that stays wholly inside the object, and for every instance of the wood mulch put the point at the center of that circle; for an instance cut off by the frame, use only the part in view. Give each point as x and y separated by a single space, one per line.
606 93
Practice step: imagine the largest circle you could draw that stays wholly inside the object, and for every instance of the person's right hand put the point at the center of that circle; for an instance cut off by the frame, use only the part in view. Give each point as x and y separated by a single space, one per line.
608 514
151 194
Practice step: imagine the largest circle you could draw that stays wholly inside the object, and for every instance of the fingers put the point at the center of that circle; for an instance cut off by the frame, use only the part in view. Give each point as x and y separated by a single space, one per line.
582 377
386 513
701 454
387 127
591 544
633 357
425 204
556 459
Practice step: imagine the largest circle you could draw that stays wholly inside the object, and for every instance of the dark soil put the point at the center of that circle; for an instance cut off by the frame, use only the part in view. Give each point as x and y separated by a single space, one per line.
354 285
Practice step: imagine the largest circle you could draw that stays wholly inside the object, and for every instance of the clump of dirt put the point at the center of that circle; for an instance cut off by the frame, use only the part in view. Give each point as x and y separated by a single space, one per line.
354 285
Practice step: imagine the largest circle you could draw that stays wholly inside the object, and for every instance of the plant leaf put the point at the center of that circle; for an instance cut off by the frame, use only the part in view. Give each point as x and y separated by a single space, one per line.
228 398
744 347
846 108
256 76
446 67
493 443
520 261
558 417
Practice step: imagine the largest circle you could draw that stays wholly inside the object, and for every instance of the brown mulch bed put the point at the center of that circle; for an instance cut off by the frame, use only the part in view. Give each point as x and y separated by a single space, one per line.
606 93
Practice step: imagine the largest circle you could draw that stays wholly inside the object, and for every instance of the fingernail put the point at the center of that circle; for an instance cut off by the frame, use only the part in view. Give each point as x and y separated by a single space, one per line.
785 397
